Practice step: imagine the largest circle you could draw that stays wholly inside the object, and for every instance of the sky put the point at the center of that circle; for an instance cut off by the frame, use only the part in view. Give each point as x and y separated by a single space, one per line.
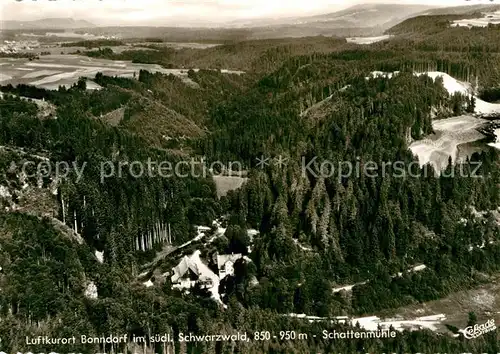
177 12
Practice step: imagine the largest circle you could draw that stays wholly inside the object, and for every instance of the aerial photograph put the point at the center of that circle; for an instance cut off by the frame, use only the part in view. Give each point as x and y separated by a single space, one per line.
249 176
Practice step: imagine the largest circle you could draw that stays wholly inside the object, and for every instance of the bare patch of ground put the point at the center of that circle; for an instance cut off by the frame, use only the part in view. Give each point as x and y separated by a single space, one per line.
114 118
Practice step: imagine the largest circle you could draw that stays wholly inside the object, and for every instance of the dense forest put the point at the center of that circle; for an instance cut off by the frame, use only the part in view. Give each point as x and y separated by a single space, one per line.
89 44
307 99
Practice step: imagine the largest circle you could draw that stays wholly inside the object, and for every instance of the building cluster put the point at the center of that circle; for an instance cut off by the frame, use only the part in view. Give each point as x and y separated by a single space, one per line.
18 46
192 270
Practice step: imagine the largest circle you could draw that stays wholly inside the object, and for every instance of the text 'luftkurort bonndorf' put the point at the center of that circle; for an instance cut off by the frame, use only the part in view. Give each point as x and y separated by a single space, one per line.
117 339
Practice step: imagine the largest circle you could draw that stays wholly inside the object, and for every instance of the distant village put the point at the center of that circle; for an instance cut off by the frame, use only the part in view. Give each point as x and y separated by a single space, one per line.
28 42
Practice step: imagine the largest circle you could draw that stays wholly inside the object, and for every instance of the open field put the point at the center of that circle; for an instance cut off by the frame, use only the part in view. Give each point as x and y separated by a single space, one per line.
64 34
55 49
449 135
52 71
224 184
488 18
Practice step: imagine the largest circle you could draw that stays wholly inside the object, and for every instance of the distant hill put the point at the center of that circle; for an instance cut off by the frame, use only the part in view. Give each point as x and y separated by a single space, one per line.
46 23
366 15
358 20
358 16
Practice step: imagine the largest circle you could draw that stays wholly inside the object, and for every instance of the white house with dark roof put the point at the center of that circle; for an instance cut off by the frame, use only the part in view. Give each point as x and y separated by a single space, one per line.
190 271
225 264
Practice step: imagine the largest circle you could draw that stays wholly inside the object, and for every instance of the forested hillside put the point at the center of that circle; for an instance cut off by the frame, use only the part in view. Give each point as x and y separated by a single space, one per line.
388 240
253 55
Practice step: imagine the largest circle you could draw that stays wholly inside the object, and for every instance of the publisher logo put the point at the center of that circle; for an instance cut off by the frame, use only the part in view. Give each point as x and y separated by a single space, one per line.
475 331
